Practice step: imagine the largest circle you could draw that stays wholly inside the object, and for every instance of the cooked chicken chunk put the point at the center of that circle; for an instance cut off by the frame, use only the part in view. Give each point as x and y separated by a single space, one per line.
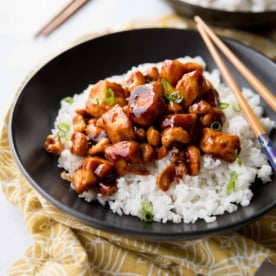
83 180
214 115
222 145
118 125
192 85
79 143
126 158
103 96
146 103
211 95
102 168
79 123
185 121
173 70
94 132
107 189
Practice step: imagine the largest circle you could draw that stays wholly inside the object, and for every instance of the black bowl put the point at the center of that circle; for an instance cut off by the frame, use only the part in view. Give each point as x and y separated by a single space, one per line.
35 109
223 18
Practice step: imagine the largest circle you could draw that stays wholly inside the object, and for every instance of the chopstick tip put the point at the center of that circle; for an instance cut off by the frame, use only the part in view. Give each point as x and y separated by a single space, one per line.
197 18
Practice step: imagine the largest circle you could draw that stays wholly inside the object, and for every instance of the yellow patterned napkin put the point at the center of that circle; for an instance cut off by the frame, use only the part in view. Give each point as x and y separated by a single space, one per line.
64 246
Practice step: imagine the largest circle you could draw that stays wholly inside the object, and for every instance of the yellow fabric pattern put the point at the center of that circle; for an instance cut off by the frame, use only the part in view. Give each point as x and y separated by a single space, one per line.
64 246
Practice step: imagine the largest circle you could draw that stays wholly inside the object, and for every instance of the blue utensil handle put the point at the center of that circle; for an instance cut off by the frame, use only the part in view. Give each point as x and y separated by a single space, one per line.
268 149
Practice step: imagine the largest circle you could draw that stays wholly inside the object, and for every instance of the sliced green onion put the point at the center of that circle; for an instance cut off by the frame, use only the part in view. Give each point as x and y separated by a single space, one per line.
147 211
236 107
69 100
176 97
216 125
223 105
237 157
167 88
109 96
231 186
63 129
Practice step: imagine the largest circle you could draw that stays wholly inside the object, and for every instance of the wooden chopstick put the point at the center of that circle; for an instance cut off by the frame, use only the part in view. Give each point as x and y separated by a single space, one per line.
247 74
65 13
253 121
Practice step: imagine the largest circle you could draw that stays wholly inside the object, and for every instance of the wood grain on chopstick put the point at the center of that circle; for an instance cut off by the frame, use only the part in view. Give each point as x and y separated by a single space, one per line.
247 110
252 119
65 13
247 74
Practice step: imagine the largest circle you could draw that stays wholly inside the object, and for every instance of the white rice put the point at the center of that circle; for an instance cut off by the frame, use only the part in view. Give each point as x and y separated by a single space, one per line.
194 197
236 5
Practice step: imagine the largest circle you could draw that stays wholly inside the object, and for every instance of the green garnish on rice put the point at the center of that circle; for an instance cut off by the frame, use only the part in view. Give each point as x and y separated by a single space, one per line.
147 211
69 100
223 105
236 107
231 186
237 156
63 129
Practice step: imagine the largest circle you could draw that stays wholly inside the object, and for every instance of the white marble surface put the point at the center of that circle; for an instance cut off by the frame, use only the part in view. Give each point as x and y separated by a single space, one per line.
20 53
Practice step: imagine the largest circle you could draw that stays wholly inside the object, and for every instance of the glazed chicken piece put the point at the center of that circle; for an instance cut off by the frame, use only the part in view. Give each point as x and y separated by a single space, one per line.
192 85
94 132
185 121
118 125
103 96
173 70
146 103
102 168
214 115
107 188
211 95
222 145
79 123
83 180
79 144
92 171
126 158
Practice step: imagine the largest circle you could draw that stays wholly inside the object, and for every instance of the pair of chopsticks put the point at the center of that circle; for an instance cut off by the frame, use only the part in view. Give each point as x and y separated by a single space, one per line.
65 13
209 37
